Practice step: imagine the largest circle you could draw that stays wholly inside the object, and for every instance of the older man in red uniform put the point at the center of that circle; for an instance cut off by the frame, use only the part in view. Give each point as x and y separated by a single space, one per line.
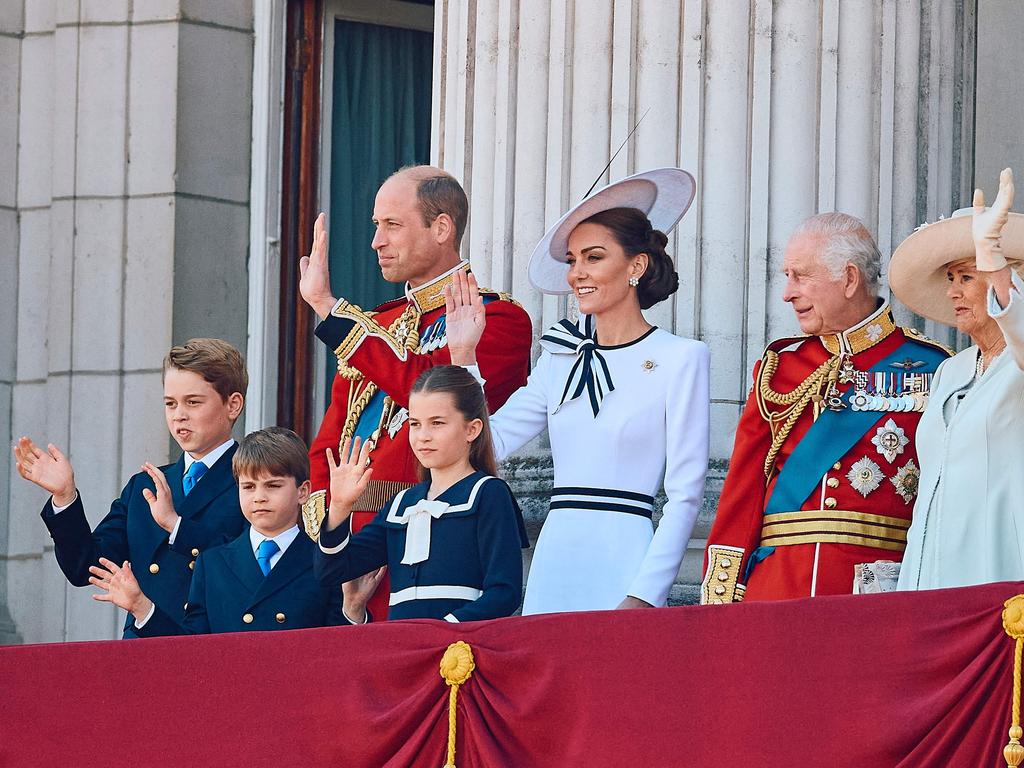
420 214
824 471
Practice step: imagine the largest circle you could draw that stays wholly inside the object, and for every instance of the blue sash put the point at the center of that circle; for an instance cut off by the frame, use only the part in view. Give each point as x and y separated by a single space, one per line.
833 434
432 338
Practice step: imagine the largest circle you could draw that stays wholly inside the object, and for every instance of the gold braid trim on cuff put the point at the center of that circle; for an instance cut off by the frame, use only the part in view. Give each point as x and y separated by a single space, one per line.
313 513
720 582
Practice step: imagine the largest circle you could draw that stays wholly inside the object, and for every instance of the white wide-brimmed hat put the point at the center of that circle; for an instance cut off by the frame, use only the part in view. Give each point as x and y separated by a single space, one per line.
663 194
917 270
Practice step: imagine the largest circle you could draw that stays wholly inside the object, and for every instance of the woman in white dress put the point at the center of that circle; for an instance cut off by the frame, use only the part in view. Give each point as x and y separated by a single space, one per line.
969 516
626 404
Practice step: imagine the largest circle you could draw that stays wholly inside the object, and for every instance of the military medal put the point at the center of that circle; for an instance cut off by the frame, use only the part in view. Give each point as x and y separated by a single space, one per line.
893 392
906 481
395 424
847 373
865 476
860 401
890 440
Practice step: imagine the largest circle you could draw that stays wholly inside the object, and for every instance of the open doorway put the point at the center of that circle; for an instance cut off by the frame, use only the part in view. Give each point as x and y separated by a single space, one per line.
377 76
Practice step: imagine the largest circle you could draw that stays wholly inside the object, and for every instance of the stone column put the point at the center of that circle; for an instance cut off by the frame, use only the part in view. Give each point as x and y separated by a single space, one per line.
780 109
127 210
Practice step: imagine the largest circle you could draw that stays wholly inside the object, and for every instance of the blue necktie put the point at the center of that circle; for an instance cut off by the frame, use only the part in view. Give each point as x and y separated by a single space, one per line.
196 471
266 550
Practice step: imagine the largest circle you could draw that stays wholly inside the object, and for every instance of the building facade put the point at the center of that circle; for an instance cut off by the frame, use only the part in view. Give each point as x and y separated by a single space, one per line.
161 162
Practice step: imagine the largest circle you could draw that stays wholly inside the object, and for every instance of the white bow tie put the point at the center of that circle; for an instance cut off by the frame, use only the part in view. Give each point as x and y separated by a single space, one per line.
417 535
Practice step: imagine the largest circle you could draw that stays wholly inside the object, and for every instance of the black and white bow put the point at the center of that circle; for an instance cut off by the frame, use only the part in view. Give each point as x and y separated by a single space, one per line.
590 371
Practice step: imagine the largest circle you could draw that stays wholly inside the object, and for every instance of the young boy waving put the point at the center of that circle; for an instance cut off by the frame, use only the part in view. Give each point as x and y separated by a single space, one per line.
165 516
263 580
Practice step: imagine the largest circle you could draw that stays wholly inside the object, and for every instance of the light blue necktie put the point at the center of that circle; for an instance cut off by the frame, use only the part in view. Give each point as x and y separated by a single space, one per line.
196 471
266 550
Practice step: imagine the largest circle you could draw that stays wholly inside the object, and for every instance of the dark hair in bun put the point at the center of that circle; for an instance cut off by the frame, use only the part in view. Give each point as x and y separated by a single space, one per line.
633 232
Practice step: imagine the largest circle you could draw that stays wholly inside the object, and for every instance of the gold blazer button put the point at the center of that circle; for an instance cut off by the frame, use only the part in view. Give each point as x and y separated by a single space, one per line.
280 618
154 568
832 482
247 618
195 552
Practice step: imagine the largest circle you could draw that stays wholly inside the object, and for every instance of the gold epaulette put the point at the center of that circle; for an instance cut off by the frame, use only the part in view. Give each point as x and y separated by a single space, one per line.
501 296
314 510
915 335
778 345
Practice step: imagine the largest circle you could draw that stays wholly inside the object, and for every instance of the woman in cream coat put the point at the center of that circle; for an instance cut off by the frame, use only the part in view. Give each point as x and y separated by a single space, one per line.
969 517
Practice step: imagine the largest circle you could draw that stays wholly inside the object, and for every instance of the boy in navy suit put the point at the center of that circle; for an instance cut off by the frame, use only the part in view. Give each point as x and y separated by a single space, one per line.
263 579
166 515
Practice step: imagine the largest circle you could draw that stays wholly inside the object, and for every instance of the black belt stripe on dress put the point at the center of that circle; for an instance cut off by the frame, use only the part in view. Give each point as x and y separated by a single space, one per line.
603 499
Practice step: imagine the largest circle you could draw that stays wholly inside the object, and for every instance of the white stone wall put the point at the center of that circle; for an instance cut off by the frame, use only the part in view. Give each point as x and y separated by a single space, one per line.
780 109
124 187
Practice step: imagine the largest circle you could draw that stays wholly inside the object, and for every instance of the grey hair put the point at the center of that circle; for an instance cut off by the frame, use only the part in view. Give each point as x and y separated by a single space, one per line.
847 241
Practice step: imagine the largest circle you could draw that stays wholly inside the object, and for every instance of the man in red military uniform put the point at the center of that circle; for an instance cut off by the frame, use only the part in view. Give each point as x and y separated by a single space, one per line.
420 214
824 472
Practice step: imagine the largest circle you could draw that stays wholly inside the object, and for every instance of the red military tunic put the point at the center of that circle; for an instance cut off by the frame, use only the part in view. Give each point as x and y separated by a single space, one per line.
860 502
380 354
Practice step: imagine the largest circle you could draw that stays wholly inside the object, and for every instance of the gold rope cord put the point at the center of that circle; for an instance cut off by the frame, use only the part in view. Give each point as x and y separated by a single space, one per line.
457 665
405 330
782 422
1013 625
356 405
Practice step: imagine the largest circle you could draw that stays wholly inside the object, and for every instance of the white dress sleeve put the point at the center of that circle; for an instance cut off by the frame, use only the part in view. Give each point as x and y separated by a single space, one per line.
525 414
1011 318
687 434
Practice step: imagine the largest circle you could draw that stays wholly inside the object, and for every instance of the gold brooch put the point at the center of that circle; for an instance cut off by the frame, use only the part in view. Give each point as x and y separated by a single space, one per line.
650 365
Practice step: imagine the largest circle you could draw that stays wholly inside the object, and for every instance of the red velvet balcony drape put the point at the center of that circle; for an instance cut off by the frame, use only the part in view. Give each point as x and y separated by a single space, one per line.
908 680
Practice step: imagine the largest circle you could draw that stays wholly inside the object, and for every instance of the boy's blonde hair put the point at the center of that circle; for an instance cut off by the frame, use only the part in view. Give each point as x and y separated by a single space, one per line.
274 451
217 361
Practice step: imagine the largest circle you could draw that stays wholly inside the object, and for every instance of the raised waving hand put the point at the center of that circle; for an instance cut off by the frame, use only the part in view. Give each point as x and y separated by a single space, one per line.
349 477
49 469
465 318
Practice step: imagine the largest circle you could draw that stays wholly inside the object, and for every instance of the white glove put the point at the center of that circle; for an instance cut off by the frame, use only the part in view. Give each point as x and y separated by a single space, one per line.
987 226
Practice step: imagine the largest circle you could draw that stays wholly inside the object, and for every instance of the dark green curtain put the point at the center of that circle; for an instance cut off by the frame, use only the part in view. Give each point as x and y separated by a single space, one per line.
380 122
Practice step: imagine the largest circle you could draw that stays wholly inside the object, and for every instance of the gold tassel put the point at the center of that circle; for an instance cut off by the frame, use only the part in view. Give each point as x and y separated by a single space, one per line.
1013 624
456 667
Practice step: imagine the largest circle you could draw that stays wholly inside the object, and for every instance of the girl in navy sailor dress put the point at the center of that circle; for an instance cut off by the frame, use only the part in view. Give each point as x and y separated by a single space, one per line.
452 543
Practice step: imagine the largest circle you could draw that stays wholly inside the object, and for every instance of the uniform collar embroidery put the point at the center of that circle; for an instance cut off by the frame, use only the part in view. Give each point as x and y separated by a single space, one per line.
430 295
873 329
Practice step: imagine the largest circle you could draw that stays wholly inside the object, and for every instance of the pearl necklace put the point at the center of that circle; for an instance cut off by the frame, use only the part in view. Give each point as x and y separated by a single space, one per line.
980 367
